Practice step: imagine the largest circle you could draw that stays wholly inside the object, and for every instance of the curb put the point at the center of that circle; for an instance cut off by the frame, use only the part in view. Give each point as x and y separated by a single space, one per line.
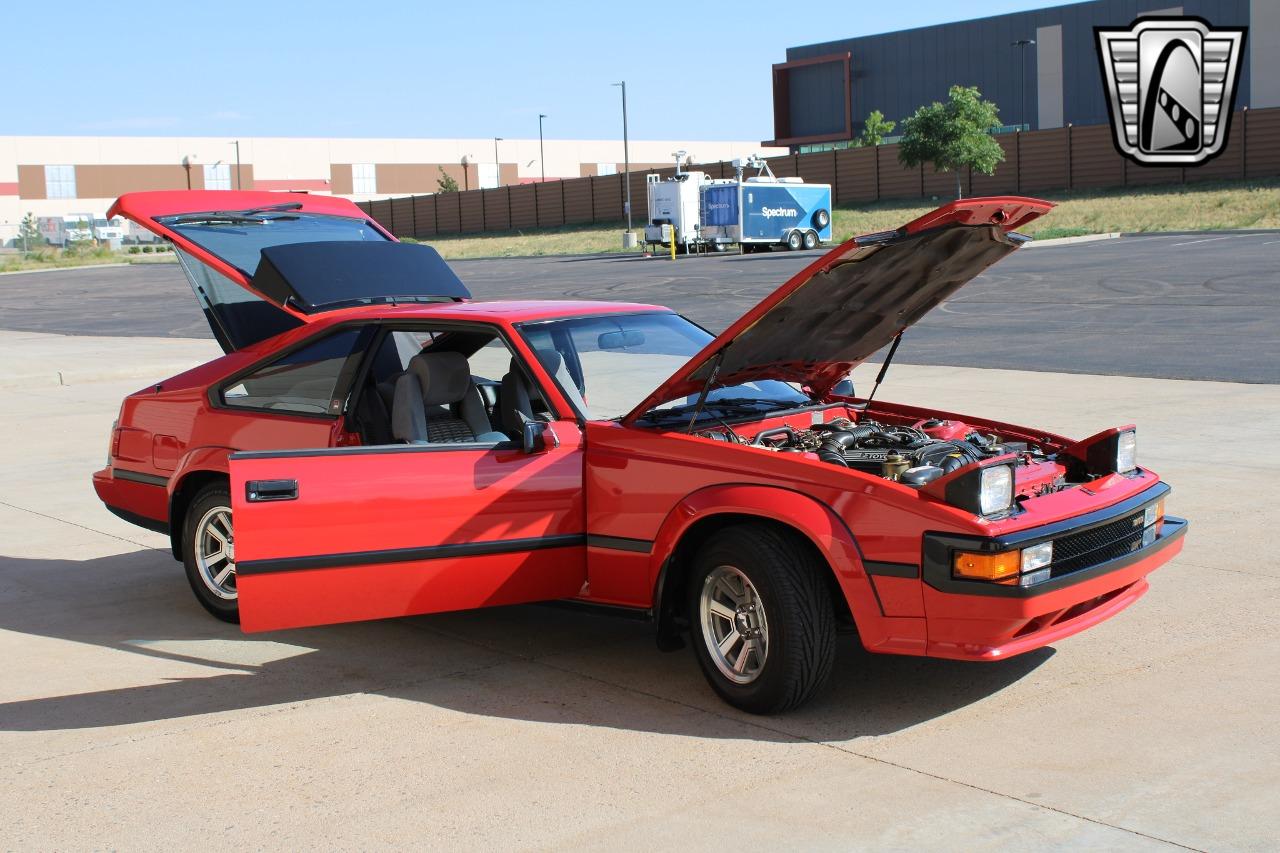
54 378
1067 241
69 269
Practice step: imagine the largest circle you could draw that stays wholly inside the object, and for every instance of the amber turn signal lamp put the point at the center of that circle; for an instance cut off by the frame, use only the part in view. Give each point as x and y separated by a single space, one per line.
1001 568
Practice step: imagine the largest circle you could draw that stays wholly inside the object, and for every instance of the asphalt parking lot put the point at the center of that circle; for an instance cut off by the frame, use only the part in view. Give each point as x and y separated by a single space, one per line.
130 718
1171 306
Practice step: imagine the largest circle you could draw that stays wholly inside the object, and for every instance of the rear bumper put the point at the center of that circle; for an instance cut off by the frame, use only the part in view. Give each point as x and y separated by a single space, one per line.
136 497
991 624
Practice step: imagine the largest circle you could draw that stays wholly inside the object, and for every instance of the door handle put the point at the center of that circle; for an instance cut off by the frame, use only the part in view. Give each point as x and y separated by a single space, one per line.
260 491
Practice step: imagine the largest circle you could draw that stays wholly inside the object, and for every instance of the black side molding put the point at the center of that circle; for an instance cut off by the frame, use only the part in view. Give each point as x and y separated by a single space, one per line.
140 520
139 477
620 543
406 555
891 570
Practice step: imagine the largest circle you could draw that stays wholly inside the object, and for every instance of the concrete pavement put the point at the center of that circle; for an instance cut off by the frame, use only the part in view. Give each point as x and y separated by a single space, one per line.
1171 306
129 718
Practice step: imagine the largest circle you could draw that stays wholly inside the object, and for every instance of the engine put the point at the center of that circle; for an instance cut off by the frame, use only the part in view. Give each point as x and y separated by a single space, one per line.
912 455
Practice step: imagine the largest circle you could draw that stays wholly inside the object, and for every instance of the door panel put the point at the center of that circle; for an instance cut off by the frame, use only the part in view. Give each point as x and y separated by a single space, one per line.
379 532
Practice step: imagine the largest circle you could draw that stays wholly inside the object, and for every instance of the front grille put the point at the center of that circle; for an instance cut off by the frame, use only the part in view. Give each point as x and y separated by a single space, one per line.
1077 551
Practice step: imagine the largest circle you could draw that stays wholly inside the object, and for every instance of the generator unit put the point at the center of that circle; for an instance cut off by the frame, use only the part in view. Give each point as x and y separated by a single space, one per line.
763 210
674 208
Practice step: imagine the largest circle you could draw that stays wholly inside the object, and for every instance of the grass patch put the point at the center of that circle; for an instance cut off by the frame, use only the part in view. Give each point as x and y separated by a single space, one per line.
1055 233
1193 207
73 256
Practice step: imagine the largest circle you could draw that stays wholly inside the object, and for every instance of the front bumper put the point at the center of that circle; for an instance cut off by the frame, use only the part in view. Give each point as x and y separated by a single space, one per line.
974 620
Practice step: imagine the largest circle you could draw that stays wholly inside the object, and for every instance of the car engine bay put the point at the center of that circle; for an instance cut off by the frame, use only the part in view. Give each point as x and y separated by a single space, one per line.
912 454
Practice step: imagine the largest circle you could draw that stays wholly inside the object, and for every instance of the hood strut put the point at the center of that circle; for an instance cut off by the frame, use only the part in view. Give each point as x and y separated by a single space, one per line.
884 368
706 388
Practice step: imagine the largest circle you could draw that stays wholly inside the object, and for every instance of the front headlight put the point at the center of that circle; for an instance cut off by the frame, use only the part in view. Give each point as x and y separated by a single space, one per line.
1126 451
995 489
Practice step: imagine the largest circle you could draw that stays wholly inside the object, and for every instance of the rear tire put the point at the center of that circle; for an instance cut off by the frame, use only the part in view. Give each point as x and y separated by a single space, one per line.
810 240
208 552
762 619
794 241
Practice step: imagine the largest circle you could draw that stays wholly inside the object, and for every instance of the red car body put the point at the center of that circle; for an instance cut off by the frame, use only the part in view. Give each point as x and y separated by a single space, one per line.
610 511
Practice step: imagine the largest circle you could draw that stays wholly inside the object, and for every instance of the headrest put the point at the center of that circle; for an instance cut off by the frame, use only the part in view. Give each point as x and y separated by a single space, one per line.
551 360
443 376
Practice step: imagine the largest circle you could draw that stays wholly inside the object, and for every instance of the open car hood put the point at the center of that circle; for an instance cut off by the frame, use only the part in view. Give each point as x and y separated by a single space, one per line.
832 315
264 262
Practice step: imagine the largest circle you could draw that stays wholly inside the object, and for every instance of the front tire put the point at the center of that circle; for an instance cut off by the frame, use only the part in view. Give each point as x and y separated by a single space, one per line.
795 241
762 619
208 552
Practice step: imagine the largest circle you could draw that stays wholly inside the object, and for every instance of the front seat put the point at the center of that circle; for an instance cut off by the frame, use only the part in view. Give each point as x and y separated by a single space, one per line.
436 402
514 406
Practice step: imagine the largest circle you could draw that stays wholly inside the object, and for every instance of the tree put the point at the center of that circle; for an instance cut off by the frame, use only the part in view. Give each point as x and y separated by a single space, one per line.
29 233
446 183
875 129
953 135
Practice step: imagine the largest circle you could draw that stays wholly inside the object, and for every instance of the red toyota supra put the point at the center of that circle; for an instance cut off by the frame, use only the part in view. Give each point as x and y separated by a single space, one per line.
376 444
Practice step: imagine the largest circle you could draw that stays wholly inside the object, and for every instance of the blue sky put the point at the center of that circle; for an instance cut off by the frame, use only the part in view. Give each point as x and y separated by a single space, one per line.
425 69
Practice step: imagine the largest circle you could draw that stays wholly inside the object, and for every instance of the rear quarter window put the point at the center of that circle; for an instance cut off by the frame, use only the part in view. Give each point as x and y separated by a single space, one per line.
303 381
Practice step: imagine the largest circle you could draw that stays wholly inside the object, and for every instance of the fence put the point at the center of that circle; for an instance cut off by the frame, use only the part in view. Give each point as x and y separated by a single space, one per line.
1064 158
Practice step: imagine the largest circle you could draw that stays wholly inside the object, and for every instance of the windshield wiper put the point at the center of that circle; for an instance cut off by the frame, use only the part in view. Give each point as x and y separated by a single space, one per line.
252 216
225 219
726 406
275 208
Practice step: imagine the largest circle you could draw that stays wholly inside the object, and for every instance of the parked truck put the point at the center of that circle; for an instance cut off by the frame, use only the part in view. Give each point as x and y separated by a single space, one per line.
81 228
64 230
763 210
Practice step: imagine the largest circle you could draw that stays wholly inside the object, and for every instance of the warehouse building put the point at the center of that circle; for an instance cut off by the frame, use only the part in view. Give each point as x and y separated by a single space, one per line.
1040 67
82 175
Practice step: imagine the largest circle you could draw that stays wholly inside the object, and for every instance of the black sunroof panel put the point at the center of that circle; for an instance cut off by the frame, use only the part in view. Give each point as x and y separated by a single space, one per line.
319 276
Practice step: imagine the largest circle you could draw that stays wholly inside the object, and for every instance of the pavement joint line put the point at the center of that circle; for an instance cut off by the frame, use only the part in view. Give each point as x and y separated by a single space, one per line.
81 526
1222 569
884 761
1210 239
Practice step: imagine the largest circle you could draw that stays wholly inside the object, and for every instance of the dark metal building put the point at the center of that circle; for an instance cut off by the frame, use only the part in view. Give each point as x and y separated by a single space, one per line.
822 93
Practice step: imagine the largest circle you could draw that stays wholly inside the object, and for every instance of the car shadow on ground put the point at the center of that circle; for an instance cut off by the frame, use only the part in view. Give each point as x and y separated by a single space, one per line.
532 663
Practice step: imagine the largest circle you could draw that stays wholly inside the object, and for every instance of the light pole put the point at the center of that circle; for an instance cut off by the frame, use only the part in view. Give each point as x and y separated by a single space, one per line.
542 156
626 154
497 167
1022 45
239 185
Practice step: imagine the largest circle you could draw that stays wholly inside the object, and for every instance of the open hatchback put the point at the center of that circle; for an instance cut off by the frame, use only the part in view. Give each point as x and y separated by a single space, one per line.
262 263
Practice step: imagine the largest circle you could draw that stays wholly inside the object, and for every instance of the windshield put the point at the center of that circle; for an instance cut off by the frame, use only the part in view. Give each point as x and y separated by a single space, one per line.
616 360
239 239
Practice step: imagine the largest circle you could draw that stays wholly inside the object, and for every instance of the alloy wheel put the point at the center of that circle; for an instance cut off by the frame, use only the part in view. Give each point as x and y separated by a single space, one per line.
215 552
734 625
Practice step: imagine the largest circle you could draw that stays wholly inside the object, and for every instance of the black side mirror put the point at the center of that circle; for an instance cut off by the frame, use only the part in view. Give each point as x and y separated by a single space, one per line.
844 388
539 436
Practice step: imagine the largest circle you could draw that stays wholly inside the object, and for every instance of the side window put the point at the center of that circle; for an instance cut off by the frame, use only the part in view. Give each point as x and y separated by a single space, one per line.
304 380
491 361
